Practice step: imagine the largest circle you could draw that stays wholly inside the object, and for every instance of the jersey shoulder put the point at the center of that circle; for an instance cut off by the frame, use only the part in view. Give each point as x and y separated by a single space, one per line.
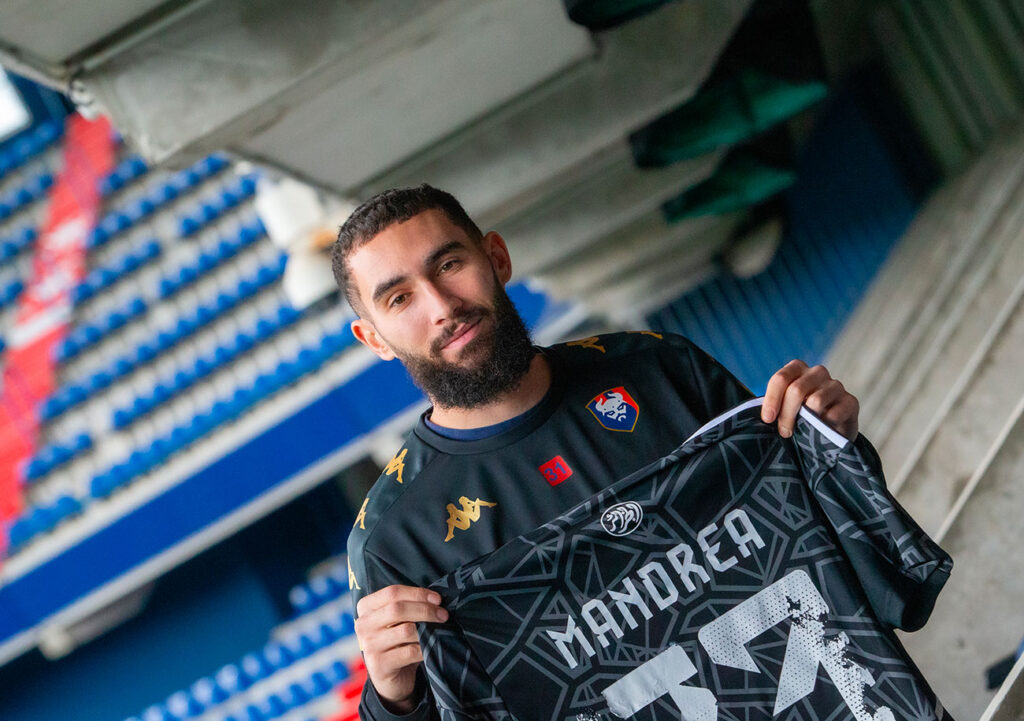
608 346
396 478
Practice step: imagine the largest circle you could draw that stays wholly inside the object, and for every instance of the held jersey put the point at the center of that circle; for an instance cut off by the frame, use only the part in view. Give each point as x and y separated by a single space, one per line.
742 577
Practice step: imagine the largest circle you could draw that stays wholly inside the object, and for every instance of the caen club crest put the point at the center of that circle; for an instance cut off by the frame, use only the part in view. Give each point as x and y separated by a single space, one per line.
615 409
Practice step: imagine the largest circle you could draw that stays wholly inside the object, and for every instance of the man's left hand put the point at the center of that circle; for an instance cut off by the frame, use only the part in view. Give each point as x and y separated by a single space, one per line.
795 384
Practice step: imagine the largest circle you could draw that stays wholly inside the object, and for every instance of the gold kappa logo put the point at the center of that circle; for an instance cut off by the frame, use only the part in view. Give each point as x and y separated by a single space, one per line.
646 332
591 342
352 579
361 516
396 464
461 518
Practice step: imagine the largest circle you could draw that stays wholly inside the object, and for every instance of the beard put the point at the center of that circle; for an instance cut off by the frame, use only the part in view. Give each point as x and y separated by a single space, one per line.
501 355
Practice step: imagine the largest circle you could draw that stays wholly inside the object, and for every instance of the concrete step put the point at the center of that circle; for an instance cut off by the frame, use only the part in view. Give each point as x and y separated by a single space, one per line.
918 272
957 348
956 438
955 245
977 619
1008 703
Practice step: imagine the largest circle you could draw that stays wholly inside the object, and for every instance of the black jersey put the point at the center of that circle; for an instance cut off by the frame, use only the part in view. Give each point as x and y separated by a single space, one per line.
616 403
742 577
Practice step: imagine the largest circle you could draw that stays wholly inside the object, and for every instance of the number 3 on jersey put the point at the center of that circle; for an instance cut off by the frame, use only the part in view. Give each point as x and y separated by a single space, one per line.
794 597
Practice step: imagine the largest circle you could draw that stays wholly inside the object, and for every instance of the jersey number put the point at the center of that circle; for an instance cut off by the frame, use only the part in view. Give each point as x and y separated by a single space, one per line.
794 597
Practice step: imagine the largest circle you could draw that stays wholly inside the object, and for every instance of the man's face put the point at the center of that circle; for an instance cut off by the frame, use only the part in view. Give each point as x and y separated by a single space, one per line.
435 299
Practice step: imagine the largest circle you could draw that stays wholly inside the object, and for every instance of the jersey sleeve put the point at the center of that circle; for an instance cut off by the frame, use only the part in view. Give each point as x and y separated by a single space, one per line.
367 574
900 568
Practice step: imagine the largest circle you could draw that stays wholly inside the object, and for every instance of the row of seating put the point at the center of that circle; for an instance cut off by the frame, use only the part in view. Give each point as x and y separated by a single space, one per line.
88 335
205 366
55 455
15 244
42 519
142 460
319 590
29 146
124 174
38 520
99 279
215 205
225 686
118 221
83 337
16 200
208 260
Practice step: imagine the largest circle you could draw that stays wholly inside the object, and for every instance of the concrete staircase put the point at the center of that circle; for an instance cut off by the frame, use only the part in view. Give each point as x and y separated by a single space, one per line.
935 353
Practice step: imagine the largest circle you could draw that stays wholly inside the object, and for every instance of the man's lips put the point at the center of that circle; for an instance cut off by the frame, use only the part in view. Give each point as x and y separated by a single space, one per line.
463 335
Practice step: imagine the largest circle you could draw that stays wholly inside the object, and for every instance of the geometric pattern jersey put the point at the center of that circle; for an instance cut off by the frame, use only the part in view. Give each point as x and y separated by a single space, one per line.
742 577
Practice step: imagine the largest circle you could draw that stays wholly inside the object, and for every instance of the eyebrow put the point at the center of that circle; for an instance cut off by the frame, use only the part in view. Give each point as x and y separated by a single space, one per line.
384 286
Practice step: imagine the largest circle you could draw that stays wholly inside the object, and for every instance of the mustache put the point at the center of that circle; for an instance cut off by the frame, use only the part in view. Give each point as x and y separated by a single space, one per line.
468 316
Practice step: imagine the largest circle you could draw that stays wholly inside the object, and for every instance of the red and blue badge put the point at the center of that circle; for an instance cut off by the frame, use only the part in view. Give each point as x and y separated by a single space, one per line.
615 410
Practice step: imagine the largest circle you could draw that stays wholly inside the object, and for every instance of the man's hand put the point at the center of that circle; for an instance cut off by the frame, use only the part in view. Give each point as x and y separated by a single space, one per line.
386 631
796 384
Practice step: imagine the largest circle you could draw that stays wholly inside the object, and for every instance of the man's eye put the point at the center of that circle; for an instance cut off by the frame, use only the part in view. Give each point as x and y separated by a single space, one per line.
398 299
448 265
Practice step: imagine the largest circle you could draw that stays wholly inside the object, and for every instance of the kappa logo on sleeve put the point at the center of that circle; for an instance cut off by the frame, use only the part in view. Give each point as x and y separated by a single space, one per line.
615 409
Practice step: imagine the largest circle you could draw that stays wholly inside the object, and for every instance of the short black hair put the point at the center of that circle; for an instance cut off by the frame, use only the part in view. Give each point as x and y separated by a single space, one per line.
396 205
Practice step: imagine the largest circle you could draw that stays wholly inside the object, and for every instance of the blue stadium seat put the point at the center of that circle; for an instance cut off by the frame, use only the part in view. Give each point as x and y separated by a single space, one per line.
183 706
319 684
208 692
255 667
22 531
277 655
67 506
296 696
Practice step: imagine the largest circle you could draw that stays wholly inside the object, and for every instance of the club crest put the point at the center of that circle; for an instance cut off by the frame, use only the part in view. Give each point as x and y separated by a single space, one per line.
615 410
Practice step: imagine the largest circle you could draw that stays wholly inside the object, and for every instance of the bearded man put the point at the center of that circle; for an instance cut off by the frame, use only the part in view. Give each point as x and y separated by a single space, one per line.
516 434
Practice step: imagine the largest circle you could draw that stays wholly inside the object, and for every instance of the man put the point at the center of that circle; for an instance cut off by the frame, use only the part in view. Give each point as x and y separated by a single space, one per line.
516 434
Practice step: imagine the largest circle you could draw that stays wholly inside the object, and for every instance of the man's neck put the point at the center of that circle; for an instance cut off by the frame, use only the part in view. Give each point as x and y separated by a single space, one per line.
508 405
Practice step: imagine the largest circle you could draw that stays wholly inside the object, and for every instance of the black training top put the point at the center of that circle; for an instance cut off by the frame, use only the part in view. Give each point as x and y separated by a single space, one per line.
616 403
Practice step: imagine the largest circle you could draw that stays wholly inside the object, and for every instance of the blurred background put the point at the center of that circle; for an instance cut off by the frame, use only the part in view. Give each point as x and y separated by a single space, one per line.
187 425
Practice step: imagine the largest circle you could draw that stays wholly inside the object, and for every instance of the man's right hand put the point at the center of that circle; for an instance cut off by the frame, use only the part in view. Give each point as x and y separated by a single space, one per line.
386 630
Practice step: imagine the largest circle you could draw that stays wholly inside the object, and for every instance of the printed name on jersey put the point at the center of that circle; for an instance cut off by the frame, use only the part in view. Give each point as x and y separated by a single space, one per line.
615 409
396 464
555 471
657 580
462 518
622 518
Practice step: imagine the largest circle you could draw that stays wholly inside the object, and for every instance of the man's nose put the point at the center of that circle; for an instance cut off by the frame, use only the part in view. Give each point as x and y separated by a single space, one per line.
443 305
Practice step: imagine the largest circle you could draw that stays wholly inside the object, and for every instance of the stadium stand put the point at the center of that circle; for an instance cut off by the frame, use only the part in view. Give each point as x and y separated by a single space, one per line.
193 399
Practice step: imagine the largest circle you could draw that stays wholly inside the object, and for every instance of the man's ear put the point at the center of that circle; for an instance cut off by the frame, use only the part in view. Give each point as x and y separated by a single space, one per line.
497 251
366 334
